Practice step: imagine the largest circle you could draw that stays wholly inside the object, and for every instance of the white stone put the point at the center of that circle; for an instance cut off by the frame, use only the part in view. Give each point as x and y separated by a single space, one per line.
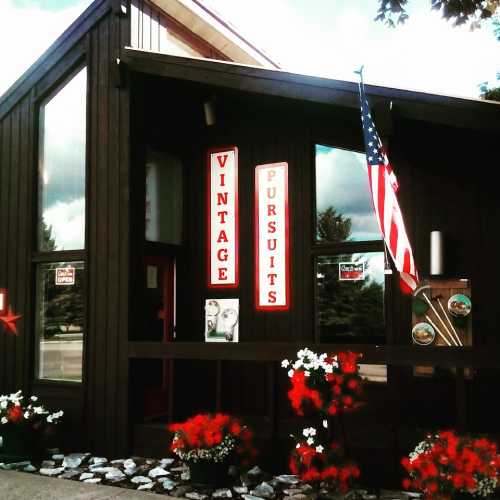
93 480
288 479
141 480
222 493
29 468
251 497
86 475
115 474
254 471
98 460
157 472
97 469
186 476
165 462
147 486
52 472
58 456
71 462
129 463
194 495
130 471
47 463
240 489
168 484
263 490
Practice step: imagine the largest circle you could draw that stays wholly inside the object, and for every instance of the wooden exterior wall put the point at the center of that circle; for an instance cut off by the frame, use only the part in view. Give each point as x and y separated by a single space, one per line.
439 190
100 404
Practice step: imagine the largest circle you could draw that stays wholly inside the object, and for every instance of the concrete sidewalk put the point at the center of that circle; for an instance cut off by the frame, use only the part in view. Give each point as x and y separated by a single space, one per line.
26 486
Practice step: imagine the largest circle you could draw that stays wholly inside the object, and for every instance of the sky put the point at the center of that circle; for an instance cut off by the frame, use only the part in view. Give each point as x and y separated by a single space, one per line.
320 37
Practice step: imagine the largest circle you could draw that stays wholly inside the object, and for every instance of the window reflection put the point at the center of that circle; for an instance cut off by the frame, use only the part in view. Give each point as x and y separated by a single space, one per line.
350 297
62 135
344 208
60 320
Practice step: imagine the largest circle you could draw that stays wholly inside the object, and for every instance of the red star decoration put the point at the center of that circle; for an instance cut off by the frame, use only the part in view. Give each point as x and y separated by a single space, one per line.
9 320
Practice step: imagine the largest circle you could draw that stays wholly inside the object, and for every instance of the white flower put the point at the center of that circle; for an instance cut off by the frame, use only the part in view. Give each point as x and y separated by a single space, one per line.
310 441
285 363
297 364
26 415
307 373
325 423
49 419
297 445
34 398
4 420
290 373
312 431
319 449
38 409
3 405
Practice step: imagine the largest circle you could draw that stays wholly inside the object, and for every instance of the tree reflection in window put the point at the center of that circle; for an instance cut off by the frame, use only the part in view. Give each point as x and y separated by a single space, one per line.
60 323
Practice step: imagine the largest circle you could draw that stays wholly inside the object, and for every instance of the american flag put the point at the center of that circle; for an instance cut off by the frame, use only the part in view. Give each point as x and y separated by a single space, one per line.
384 186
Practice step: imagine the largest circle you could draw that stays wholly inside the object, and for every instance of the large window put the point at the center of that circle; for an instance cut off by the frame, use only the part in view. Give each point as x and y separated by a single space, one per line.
60 266
349 262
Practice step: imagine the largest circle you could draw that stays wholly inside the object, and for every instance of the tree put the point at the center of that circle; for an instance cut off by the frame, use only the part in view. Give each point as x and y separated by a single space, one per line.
470 12
490 92
333 227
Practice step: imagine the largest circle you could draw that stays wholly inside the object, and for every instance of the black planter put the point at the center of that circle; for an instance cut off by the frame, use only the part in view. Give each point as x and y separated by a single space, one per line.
19 440
209 473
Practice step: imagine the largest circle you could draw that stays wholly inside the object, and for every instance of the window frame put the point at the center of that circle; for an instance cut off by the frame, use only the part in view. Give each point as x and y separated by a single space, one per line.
319 248
39 256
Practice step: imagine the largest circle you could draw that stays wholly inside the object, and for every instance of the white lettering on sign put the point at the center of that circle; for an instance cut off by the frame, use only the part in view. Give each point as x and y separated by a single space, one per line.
223 218
65 275
272 273
2 301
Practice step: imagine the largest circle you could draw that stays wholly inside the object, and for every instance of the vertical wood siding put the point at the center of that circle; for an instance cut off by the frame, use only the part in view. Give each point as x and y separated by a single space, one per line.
101 403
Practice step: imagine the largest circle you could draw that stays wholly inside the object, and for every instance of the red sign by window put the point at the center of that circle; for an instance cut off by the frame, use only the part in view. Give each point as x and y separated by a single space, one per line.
272 255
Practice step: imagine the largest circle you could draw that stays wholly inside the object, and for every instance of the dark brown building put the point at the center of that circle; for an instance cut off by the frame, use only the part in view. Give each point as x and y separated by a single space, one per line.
103 241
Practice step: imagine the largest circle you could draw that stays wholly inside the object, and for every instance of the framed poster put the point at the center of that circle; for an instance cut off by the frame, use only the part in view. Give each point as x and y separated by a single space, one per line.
222 217
222 320
272 245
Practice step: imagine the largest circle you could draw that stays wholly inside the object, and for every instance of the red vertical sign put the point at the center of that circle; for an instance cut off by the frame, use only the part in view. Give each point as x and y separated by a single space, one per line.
222 213
272 252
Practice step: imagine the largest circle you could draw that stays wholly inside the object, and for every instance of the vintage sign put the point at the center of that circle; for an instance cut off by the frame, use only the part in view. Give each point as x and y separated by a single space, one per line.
222 224
272 266
65 275
351 271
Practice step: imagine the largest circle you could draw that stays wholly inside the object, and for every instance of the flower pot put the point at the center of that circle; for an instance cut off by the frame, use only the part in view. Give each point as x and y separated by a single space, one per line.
18 440
209 472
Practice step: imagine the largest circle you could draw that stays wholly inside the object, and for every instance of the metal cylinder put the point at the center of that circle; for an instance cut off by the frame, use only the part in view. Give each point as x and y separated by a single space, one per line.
437 253
210 115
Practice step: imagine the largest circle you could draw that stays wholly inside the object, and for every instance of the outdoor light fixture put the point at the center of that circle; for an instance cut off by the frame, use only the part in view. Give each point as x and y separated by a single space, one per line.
437 246
3 302
210 115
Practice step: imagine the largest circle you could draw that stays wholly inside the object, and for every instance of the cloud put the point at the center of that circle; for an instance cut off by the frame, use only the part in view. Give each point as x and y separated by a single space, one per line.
342 182
67 221
27 30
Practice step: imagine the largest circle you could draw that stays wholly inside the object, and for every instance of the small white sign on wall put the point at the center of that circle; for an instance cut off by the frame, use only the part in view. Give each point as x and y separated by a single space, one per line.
65 275
222 222
222 320
272 266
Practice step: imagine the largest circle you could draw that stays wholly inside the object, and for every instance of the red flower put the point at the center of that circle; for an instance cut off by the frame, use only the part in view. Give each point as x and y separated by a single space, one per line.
15 413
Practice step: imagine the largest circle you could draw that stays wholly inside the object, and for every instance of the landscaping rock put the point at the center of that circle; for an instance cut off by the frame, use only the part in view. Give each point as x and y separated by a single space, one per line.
222 493
157 472
251 497
29 468
194 495
52 471
71 462
115 475
166 462
240 490
167 483
98 460
58 456
93 480
46 464
263 490
288 479
86 475
147 486
70 474
141 480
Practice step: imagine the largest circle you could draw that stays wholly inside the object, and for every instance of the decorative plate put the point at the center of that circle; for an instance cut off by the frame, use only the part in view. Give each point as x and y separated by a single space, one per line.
423 334
459 305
